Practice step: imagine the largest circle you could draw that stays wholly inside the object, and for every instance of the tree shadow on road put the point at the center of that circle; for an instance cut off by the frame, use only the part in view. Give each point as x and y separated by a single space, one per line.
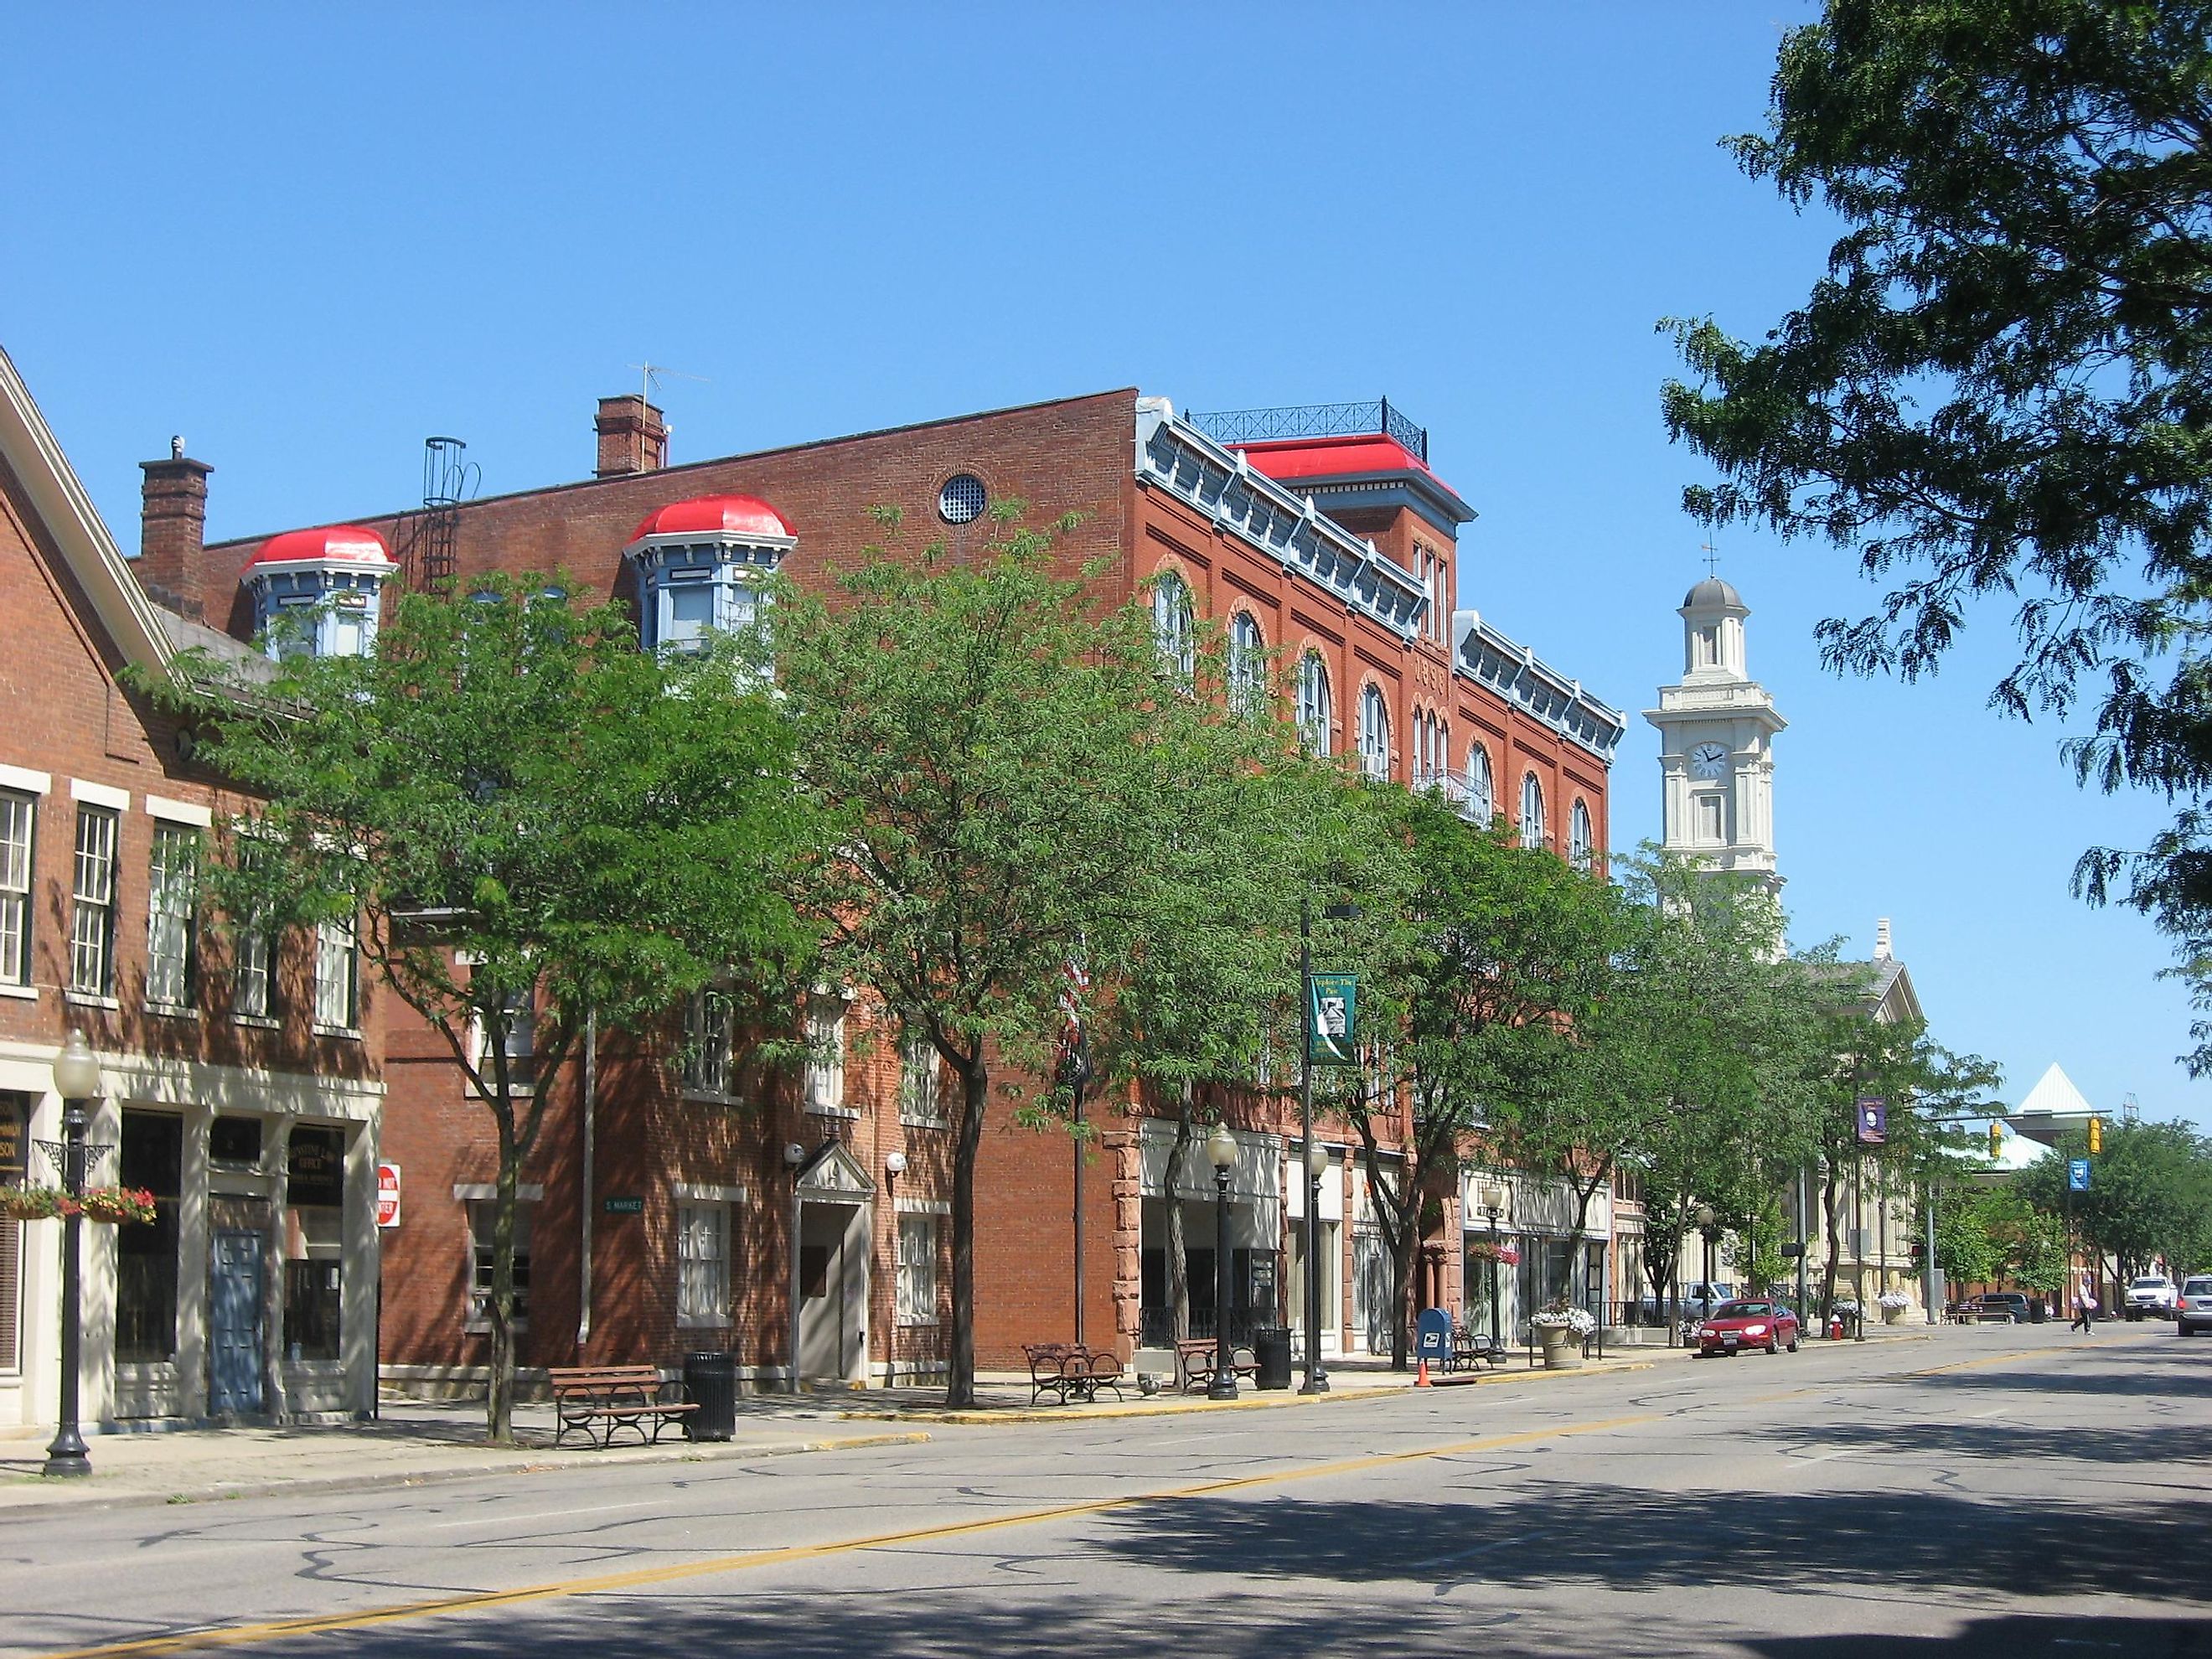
1626 1540
1953 1443
2011 1637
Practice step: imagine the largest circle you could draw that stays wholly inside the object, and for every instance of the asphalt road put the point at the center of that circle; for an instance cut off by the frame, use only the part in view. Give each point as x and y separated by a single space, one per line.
2003 1492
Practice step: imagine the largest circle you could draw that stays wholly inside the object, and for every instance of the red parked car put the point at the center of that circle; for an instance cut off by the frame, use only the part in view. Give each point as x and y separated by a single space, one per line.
1736 1326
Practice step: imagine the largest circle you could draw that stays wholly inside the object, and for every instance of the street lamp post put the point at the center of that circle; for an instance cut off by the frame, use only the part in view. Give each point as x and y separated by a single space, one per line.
1705 1290
1316 1379
76 1080
1493 1204
1317 1167
1221 1152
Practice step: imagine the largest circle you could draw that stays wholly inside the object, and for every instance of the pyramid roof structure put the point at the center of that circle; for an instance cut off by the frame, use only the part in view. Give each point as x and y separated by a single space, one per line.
2051 1106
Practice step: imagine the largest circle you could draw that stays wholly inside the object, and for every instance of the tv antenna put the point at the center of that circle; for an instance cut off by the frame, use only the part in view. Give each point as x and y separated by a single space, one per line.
650 374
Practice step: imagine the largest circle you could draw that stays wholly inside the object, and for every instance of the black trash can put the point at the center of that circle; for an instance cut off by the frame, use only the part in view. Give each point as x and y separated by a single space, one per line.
710 1382
1271 1347
2037 1310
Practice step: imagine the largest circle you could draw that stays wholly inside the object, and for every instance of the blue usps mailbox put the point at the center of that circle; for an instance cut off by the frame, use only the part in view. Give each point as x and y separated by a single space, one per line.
1432 1336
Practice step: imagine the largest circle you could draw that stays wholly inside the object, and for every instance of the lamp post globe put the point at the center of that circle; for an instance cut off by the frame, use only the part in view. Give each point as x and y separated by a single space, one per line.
76 1069
1221 1152
1705 1228
76 1080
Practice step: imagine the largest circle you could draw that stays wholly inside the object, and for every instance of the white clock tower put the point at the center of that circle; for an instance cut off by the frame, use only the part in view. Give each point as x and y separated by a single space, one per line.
1716 734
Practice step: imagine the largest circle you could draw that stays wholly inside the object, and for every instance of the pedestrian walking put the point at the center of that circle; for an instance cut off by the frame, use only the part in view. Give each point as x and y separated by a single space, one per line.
2085 1309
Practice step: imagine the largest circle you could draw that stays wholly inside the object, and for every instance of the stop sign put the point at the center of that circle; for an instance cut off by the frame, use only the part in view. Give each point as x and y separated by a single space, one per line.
388 1194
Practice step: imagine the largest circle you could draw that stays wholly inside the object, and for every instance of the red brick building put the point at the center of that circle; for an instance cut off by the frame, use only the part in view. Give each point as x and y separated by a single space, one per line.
253 1121
676 1204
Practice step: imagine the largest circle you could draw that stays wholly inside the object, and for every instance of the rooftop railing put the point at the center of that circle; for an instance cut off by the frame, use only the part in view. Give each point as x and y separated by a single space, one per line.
1246 426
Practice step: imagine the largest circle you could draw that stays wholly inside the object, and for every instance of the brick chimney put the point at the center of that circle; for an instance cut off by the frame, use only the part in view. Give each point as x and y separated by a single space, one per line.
171 566
632 437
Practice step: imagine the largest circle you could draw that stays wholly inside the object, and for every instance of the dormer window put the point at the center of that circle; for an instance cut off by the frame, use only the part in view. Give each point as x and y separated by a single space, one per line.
317 593
703 567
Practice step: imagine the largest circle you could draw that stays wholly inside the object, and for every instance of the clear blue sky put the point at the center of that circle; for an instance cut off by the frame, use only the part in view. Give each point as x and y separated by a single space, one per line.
308 237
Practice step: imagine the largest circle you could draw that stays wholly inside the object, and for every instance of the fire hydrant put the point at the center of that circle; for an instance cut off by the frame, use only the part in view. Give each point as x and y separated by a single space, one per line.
1835 1327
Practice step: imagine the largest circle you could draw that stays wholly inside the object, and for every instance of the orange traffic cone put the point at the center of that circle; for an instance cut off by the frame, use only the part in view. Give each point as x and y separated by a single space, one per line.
1421 1379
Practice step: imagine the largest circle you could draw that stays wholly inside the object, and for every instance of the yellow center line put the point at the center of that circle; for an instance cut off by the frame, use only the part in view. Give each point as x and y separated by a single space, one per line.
245 1635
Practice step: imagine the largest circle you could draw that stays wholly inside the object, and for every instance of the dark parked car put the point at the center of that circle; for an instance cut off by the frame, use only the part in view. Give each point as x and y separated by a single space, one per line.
1736 1326
2002 1302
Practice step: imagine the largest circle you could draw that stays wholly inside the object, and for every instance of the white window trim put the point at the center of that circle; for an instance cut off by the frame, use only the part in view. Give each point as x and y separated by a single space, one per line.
690 1192
725 1199
465 1192
932 1208
909 1117
99 794
24 781
841 1002
179 811
477 1048
23 992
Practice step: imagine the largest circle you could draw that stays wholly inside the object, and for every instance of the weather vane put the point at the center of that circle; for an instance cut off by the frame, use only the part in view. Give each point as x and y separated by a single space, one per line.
1712 558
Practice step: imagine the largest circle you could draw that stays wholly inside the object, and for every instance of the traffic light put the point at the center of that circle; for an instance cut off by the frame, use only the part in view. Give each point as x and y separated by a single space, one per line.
2096 1136
1996 1139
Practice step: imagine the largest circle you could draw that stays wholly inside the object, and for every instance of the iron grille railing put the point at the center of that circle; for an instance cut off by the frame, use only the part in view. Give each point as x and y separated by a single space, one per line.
1245 426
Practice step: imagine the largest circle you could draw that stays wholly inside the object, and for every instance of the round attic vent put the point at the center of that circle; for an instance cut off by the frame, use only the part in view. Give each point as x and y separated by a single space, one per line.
962 499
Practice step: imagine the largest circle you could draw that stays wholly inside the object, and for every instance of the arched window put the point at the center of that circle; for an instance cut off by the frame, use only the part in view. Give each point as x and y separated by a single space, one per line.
1247 664
1317 717
1173 630
1579 843
1374 733
1439 750
1532 811
1481 798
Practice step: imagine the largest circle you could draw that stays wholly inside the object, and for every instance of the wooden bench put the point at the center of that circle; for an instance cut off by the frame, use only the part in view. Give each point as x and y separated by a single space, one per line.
1195 1363
1070 1371
598 1399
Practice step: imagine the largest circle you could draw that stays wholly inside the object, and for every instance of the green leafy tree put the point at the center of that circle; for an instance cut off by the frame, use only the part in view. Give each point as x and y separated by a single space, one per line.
2149 1193
2001 387
990 748
1717 1033
1194 1004
1480 957
514 785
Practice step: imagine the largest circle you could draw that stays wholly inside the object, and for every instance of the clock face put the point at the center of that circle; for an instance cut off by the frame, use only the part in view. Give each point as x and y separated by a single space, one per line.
1707 759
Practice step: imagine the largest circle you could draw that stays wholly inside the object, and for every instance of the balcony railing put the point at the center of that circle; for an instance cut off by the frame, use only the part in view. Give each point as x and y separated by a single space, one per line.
1246 426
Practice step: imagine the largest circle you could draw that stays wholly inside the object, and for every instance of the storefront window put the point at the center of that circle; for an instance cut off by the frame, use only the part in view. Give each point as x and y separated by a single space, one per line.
15 1129
314 1242
152 1157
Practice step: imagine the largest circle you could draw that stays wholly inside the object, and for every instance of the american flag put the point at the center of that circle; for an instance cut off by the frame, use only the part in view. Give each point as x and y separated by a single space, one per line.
1073 1070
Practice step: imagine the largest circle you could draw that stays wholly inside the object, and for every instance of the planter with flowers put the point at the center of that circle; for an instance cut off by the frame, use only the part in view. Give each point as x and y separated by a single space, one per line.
1561 1330
1481 1250
115 1206
1893 1305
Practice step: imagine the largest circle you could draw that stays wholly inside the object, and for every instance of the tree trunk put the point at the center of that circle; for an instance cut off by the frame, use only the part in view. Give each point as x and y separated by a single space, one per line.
1831 1178
500 1399
1178 1256
975 1090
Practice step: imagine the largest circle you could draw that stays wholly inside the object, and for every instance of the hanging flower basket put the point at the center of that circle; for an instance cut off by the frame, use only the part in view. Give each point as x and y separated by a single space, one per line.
33 1203
118 1206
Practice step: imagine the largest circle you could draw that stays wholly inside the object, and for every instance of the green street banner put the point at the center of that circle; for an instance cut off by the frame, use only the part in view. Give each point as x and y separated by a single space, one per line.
1331 1020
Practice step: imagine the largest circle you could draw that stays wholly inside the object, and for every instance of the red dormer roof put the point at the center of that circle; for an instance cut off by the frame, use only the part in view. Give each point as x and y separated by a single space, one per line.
734 515
335 543
1332 458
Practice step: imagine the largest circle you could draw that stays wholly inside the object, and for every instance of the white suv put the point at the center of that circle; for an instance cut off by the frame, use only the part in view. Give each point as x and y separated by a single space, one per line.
2153 1293
2193 1312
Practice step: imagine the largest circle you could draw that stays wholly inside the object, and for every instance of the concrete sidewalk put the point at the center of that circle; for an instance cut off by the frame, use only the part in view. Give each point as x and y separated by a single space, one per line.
415 1442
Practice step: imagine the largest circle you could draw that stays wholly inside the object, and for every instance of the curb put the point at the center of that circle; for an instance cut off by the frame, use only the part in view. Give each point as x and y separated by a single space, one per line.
1019 1417
690 1452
